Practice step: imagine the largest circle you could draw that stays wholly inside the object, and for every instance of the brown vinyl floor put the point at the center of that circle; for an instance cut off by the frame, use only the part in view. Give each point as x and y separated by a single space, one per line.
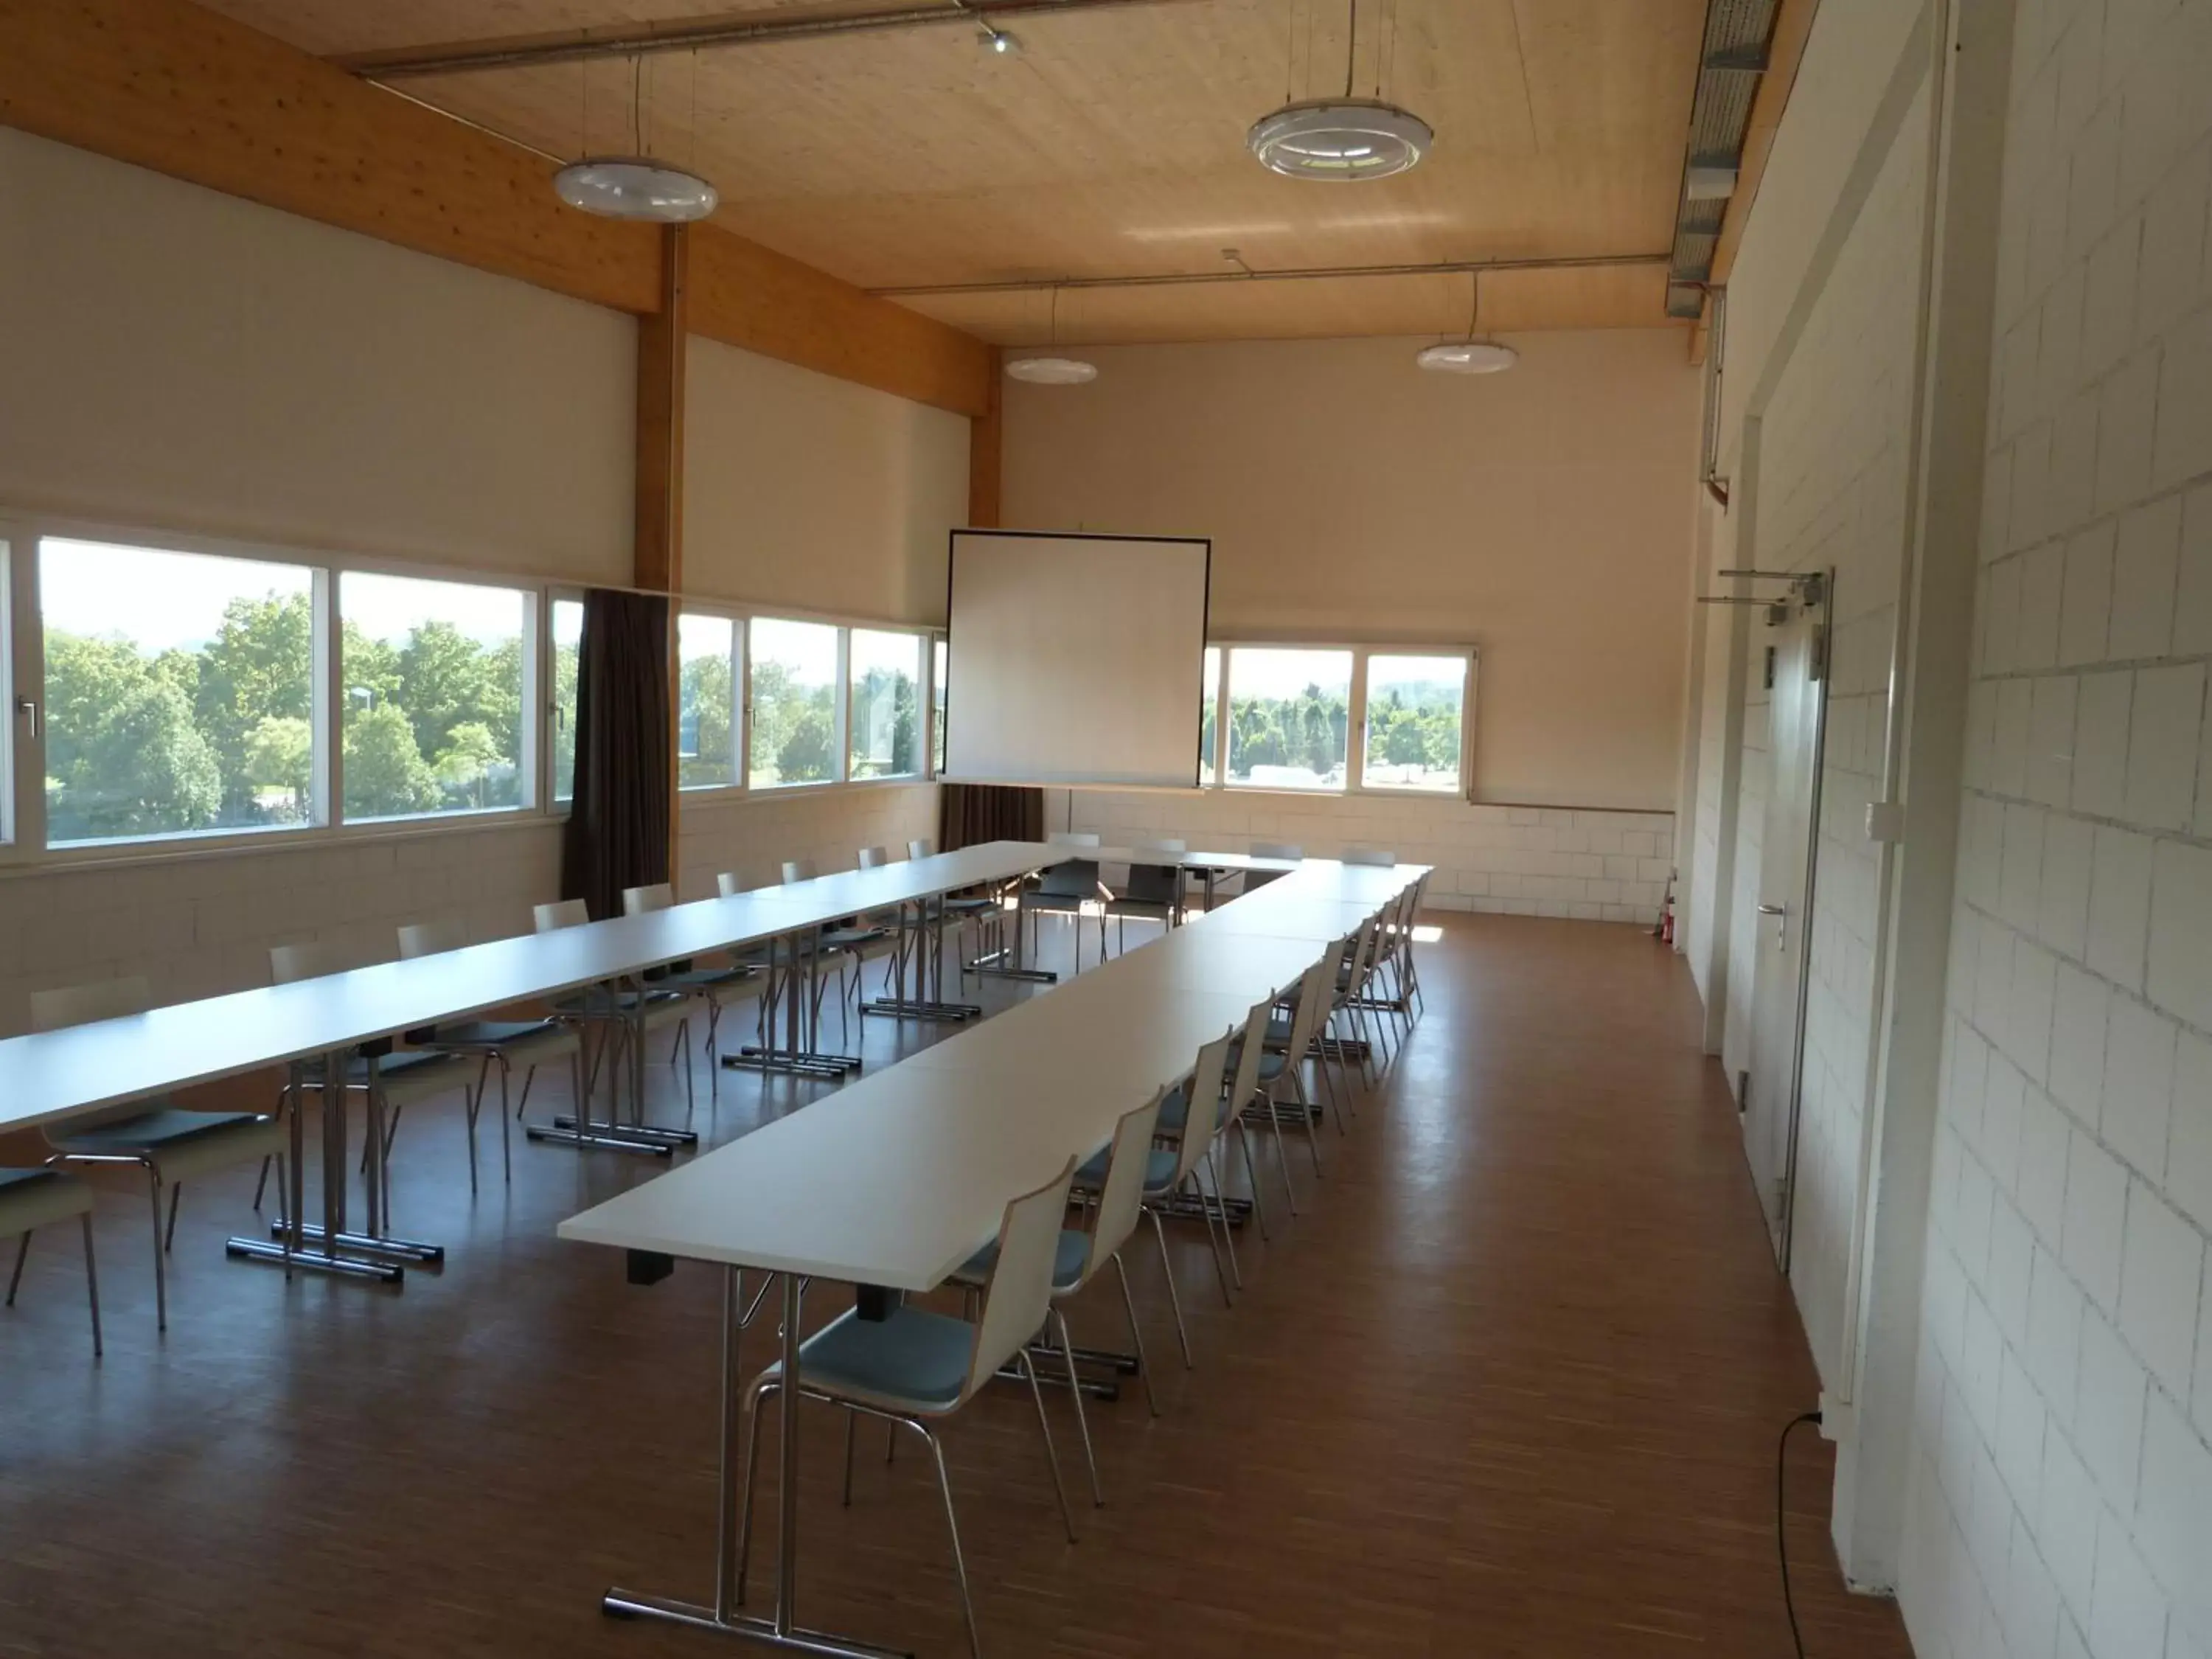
1509 1386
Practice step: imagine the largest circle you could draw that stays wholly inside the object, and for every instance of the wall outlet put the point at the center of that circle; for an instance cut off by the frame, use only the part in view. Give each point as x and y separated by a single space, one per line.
1835 1418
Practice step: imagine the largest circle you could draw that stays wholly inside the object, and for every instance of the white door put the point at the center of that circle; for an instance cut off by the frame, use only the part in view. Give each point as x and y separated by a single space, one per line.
1796 641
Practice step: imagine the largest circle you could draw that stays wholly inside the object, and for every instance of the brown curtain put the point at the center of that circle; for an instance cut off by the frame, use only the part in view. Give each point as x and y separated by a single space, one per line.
618 825
968 813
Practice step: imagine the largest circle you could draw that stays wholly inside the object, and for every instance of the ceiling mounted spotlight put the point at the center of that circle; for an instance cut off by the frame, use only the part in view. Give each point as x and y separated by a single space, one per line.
1048 367
1343 139
635 187
1000 42
1470 356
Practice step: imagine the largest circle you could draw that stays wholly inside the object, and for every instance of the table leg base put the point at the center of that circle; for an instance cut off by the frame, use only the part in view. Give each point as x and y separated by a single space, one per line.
683 1140
834 1067
1342 1048
993 963
897 1008
315 1261
398 1249
749 1627
601 1138
1236 1211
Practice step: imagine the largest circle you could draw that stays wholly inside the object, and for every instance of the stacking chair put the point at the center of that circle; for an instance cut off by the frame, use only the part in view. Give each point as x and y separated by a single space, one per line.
1290 1041
914 1366
1113 1186
961 909
1154 893
713 989
839 945
625 1015
39 1197
401 1077
1063 891
1376 856
1254 879
1247 1054
1194 1145
505 1043
170 1143
1354 974
902 924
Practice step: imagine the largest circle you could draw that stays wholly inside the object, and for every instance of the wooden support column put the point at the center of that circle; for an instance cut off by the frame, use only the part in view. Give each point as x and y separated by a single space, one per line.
657 544
987 434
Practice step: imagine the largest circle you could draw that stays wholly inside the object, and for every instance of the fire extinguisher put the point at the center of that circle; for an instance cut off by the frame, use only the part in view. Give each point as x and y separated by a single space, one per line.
1664 932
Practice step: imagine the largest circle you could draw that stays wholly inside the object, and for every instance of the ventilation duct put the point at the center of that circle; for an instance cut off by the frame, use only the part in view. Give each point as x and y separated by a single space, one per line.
1739 34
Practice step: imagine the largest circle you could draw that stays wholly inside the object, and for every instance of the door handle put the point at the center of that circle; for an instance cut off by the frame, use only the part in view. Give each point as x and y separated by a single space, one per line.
29 710
1774 909
1781 914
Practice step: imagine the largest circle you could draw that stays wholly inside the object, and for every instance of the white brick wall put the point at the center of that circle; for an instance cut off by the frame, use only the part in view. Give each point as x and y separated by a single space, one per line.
1589 865
753 834
2063 1480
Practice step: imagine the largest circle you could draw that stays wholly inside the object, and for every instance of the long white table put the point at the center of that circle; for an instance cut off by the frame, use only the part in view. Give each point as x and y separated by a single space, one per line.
894 1181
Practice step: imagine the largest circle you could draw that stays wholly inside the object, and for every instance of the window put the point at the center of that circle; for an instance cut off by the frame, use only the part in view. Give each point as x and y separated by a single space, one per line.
1413 708
794 699
180 692
883 705
567 626
1209 694
431 683
937 706
707 703
1289 716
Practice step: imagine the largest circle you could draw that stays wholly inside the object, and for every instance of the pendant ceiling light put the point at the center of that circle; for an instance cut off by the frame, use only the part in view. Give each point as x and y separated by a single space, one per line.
637 186
1340 140
1470 356
1048 367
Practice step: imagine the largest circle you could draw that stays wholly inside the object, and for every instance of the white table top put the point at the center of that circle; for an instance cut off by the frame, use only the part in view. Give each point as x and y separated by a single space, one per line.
897 1178
1286 917
52 1075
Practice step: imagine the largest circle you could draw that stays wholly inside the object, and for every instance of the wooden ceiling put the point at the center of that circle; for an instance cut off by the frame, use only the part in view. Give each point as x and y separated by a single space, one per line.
1112 146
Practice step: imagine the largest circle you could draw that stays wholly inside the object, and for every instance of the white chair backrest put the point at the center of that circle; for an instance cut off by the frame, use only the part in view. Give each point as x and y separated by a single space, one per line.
729 884
430 939
920 849
1376 855
568 912
1204 1086
1072 838
1313 1004
1248 1059
638 901
1157 852
1277 849
874 857
290 963
81 1004
1121 1199
1020 1291
798 870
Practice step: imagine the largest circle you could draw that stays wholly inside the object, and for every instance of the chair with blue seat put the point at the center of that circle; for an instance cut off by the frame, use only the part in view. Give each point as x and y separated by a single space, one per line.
1287 1045
170 1143
1193 1151
1113 1184
624 1013
509 1044
39 1197
1065 890
713 989
846 941
913 1366
1153 892
961 909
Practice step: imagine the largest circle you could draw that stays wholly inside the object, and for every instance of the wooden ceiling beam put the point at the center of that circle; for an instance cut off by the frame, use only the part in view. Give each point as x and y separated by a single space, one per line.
172 87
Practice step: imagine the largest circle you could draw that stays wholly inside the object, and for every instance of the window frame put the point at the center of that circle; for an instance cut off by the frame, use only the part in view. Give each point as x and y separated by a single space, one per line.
741 699
1355 737
924 652
553 803
840 688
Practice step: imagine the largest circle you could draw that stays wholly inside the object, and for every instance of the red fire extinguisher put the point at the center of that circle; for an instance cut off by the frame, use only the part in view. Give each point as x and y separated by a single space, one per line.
1664 932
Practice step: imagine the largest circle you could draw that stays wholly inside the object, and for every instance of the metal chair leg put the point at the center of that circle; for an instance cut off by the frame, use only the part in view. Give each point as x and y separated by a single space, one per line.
161 1273
1252 1174
22 1254
91 1282
1305 1110
471 1105
1228 1233
1175 1299
506 1124
953 1527
852 1424
1044 1429
1082 1418
169 1233
1136 1335
757 1397
262 1184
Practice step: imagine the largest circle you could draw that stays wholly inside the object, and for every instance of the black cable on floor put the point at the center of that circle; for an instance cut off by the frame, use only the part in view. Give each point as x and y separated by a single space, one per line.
1781 1534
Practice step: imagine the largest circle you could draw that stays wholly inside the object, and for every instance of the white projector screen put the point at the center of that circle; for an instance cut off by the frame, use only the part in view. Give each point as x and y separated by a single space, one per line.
1075 659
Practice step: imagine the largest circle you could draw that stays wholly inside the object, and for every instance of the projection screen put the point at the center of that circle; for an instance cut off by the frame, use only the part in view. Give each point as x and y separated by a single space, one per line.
1075 659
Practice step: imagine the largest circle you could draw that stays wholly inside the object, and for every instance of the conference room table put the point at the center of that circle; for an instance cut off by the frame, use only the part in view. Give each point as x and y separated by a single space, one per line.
48 1078
895 1180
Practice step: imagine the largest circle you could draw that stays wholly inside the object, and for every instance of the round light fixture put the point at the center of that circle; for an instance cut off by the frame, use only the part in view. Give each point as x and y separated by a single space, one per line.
634 187
1467 357
1340 139
1051 371
1000 42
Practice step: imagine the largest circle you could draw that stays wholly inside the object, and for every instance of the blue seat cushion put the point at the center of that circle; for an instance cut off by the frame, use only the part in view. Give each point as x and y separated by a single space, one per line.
1159 1169
914 1358
392 1065
850 939
1068 1259
970 907
703 978
483 1034
1175 1110
164 1126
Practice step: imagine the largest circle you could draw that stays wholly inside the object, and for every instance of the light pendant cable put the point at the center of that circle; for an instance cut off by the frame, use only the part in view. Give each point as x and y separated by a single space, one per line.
1048 367
1343 140
1470 356
635 186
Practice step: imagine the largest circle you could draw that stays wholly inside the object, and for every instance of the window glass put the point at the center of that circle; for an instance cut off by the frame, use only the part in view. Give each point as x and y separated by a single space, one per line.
1209 702
1289 714
432 689
883 708
794 702
568 625
180 692
706 704
936 659
1413 710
